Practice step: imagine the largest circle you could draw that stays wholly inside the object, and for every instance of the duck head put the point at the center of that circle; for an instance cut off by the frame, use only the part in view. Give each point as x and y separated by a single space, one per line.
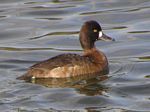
90 32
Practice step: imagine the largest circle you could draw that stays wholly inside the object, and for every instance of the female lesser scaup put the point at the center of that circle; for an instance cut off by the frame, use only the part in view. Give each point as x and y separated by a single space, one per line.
91 62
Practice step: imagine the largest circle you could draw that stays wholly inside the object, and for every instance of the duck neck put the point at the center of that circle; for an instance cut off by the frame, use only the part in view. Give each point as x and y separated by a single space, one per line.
90 51
97 55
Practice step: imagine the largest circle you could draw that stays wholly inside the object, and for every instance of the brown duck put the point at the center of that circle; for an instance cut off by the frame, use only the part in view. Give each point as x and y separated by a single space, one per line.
66 65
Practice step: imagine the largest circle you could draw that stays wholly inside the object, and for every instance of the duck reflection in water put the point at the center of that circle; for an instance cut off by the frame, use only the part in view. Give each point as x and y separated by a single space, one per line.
89 86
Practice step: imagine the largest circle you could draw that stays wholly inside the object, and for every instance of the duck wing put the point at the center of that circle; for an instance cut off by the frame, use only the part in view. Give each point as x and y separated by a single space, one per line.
62 60
59 66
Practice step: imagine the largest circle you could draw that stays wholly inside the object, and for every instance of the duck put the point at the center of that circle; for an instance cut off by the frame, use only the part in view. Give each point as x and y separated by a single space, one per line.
91 61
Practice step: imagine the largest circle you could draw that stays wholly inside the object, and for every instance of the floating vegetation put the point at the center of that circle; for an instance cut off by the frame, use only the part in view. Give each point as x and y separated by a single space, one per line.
146 58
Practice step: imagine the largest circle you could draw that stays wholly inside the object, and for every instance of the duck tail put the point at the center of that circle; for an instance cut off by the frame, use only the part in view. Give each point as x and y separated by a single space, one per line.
24 77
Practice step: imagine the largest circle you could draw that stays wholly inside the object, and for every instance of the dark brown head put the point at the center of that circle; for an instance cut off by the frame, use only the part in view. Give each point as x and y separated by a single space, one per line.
90 32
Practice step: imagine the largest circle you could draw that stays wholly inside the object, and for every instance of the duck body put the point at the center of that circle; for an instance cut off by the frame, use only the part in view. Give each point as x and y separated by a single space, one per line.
68 65
91 62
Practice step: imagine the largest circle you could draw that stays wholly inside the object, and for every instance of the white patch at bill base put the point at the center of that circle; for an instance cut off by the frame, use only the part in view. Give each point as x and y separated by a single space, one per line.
100 34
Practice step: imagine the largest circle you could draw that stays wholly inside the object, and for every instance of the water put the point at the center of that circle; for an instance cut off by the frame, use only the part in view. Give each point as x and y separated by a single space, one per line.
34 30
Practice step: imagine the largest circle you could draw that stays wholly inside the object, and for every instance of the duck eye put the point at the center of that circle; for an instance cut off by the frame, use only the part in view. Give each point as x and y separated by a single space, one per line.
95 30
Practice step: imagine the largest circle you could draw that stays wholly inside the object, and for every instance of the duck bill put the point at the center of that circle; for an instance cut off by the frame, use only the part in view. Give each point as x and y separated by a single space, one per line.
104 37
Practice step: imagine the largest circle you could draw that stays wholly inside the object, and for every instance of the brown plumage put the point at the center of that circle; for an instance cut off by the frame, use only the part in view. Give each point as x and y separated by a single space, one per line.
69 65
